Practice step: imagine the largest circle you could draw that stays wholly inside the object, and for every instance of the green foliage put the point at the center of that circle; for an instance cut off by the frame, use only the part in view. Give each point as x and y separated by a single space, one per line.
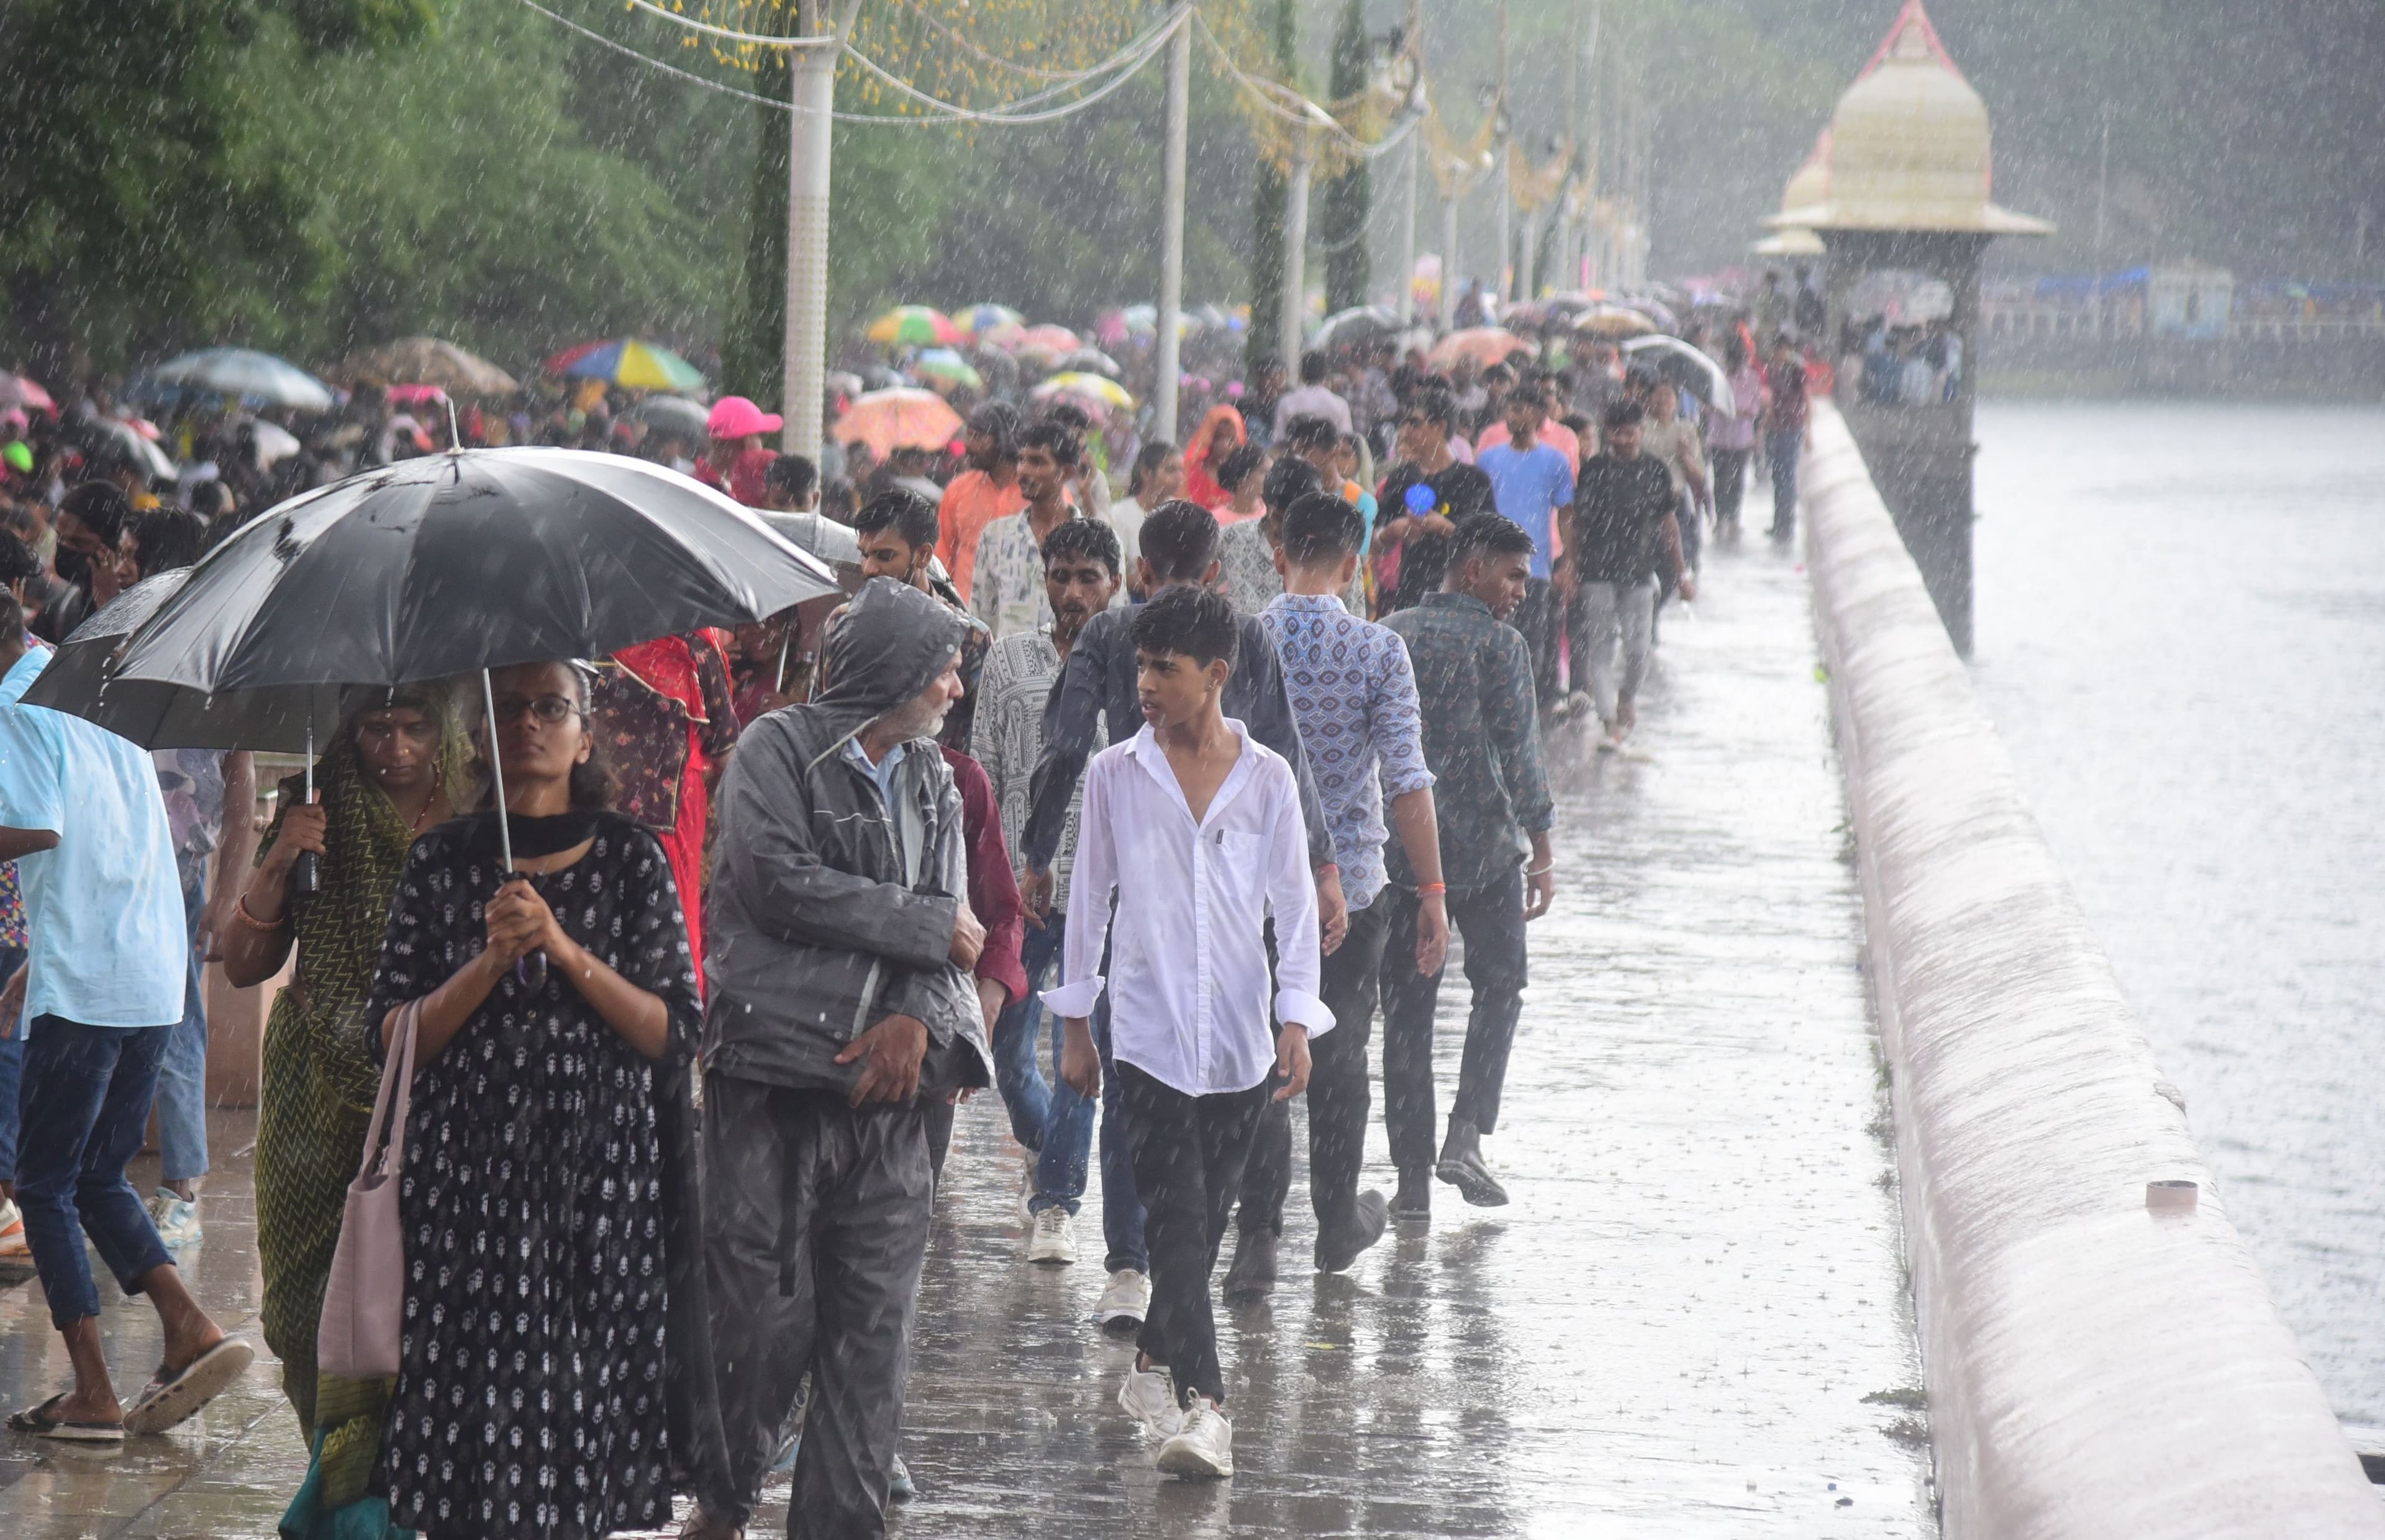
1342 224
1269 188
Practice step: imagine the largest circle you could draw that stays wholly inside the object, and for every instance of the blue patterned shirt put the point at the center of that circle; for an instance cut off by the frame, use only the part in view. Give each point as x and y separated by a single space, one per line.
1354 697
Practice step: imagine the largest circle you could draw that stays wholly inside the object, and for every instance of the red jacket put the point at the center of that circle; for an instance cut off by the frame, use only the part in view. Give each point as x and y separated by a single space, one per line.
993 891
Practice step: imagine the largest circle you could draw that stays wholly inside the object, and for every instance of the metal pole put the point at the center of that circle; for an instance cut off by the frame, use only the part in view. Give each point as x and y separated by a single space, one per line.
1407 230
497 770
1528 259
1505 267
1448 258
1171 231
1295 248
812 75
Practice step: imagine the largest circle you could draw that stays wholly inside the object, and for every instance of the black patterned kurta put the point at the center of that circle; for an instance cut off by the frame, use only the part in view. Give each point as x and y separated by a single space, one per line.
530 1398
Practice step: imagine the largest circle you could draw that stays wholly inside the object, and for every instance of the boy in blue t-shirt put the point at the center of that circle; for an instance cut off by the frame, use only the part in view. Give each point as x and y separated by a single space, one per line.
1531 481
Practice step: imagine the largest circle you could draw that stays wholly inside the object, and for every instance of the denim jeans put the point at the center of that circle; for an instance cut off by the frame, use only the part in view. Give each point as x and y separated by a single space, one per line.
12 1067
1017 1033
1061 1168
1782 449
83 1109
1491 919
183 1075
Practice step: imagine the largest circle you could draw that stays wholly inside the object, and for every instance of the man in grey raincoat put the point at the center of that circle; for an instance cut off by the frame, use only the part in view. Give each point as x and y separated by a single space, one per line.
840 1006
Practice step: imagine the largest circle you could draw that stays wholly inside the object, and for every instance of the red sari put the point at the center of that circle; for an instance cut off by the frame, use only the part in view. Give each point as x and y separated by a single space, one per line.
662 710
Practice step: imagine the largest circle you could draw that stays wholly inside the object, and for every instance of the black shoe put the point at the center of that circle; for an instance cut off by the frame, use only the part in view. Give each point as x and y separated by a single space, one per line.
1253 1272
1338 1246
1462 1167
1414 1201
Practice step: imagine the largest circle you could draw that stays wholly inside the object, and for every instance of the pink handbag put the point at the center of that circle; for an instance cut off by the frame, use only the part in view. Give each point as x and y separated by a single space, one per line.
364 1302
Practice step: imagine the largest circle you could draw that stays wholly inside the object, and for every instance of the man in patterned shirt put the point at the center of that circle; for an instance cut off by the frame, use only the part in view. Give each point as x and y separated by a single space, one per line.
1006 592
1482 741
1355 700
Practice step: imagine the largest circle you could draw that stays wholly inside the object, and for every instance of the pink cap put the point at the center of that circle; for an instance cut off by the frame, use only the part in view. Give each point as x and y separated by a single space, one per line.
735 417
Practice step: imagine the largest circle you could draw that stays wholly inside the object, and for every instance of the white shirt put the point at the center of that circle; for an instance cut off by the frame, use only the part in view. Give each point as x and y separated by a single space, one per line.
1188 980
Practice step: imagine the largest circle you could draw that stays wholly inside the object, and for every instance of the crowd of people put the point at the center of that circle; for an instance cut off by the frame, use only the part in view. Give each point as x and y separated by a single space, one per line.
1132 802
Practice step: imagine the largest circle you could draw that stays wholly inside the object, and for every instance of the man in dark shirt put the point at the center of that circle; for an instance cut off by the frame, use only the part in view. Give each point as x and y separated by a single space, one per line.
1785 410
1482 743
1625 536
1420 530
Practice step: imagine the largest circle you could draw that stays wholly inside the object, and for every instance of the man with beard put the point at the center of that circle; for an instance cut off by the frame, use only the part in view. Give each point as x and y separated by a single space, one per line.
841 1009
988 490
91 523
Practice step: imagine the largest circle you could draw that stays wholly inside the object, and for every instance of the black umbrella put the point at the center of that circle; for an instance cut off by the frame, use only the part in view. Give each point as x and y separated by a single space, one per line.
81 680
459 563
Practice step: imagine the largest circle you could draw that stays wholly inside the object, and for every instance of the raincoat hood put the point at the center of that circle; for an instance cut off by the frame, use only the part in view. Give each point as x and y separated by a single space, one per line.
890 644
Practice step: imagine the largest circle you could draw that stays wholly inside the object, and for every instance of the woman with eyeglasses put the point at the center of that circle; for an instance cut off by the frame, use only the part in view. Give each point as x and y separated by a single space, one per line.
395 767
544 1169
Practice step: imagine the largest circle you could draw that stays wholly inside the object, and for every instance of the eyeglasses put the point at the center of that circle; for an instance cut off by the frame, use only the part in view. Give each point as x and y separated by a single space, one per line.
549 709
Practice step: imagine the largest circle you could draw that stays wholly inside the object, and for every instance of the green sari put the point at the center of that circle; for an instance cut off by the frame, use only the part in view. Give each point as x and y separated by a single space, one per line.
315 1104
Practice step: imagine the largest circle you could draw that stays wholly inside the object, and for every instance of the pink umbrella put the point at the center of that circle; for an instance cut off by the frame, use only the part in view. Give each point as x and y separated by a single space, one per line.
415 394
17 391
1058 338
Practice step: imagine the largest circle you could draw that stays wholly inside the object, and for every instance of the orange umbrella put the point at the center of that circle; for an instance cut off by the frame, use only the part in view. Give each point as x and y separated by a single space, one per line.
1485 344
899 418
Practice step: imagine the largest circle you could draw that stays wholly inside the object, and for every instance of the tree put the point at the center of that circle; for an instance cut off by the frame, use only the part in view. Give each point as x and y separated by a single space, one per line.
1342 224
1269 188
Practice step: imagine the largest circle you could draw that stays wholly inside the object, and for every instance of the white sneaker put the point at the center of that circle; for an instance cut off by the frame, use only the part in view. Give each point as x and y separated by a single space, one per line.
1054 1240
1149 1396
177 1219
1203 1446
1125 1301
12 1231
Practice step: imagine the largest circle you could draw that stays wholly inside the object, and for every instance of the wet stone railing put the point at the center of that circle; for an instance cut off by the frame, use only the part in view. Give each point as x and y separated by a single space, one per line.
2103 1357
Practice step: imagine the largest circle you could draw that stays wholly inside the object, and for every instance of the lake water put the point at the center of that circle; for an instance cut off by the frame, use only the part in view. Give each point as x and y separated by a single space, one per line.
2181 637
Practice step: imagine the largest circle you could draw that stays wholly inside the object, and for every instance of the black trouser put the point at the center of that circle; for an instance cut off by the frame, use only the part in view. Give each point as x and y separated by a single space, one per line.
1537 618
1730 483
1491 918
1340 1095
816 1216
1188 1165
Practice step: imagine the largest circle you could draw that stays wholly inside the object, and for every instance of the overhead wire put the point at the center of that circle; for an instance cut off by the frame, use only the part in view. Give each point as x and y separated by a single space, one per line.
762 40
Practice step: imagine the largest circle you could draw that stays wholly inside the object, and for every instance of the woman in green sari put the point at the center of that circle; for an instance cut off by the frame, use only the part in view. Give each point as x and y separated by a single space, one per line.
397 767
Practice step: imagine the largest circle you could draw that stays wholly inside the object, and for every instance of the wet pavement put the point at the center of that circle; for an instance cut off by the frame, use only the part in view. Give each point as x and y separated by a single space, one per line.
1690 1322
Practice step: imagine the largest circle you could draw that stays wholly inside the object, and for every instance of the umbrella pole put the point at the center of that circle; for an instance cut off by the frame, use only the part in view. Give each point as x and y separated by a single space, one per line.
497 770
786 639
307 872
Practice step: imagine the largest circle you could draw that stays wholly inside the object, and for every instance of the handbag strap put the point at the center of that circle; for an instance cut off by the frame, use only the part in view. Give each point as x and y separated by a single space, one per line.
398 1083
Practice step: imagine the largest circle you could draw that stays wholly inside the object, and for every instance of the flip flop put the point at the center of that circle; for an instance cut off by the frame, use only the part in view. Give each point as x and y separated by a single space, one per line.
174 1395
38 1421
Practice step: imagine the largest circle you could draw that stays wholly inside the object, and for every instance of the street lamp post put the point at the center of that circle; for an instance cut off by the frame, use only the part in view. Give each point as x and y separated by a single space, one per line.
1171 231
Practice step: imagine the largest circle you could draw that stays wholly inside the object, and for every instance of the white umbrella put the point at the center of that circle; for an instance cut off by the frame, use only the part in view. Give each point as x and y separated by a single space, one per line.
257 378
1673 358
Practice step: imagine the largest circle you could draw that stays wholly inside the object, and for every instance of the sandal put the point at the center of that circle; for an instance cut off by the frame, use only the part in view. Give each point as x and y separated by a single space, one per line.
174 1395
38 1421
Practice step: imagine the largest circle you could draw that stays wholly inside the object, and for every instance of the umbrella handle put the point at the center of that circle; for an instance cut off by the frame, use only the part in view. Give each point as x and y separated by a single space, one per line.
530 969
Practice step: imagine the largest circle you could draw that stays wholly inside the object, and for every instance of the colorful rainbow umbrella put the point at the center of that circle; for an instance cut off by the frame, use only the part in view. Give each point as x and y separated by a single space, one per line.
914 326
945 365
626 361
980 319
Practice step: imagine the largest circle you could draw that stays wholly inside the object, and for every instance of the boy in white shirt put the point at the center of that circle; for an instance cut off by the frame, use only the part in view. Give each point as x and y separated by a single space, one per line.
1197 829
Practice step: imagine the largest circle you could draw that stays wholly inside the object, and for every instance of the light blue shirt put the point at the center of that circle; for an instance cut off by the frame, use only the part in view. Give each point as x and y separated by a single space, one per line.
1530 486
105 906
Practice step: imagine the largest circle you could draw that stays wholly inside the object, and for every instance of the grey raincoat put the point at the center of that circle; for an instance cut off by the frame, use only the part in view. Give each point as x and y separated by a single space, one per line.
814 933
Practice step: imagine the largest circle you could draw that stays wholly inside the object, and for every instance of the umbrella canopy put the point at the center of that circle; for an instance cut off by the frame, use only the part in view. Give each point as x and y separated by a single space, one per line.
1613 321
979 318
79 679
1099 390
1686 367
1143 321
832 543
97 437
949 366
1484 344
416 395
256 378
627 361
1355 327
1655 309
275 444
914 326
17 391
1058 338
904 417
427 361
676 415
1006 336
1091 361
455 563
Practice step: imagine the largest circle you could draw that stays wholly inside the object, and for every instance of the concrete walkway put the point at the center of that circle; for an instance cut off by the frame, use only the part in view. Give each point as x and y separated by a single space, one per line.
1691 1321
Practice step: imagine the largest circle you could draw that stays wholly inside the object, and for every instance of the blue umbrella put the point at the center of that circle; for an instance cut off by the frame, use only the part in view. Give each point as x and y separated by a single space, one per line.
256 378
